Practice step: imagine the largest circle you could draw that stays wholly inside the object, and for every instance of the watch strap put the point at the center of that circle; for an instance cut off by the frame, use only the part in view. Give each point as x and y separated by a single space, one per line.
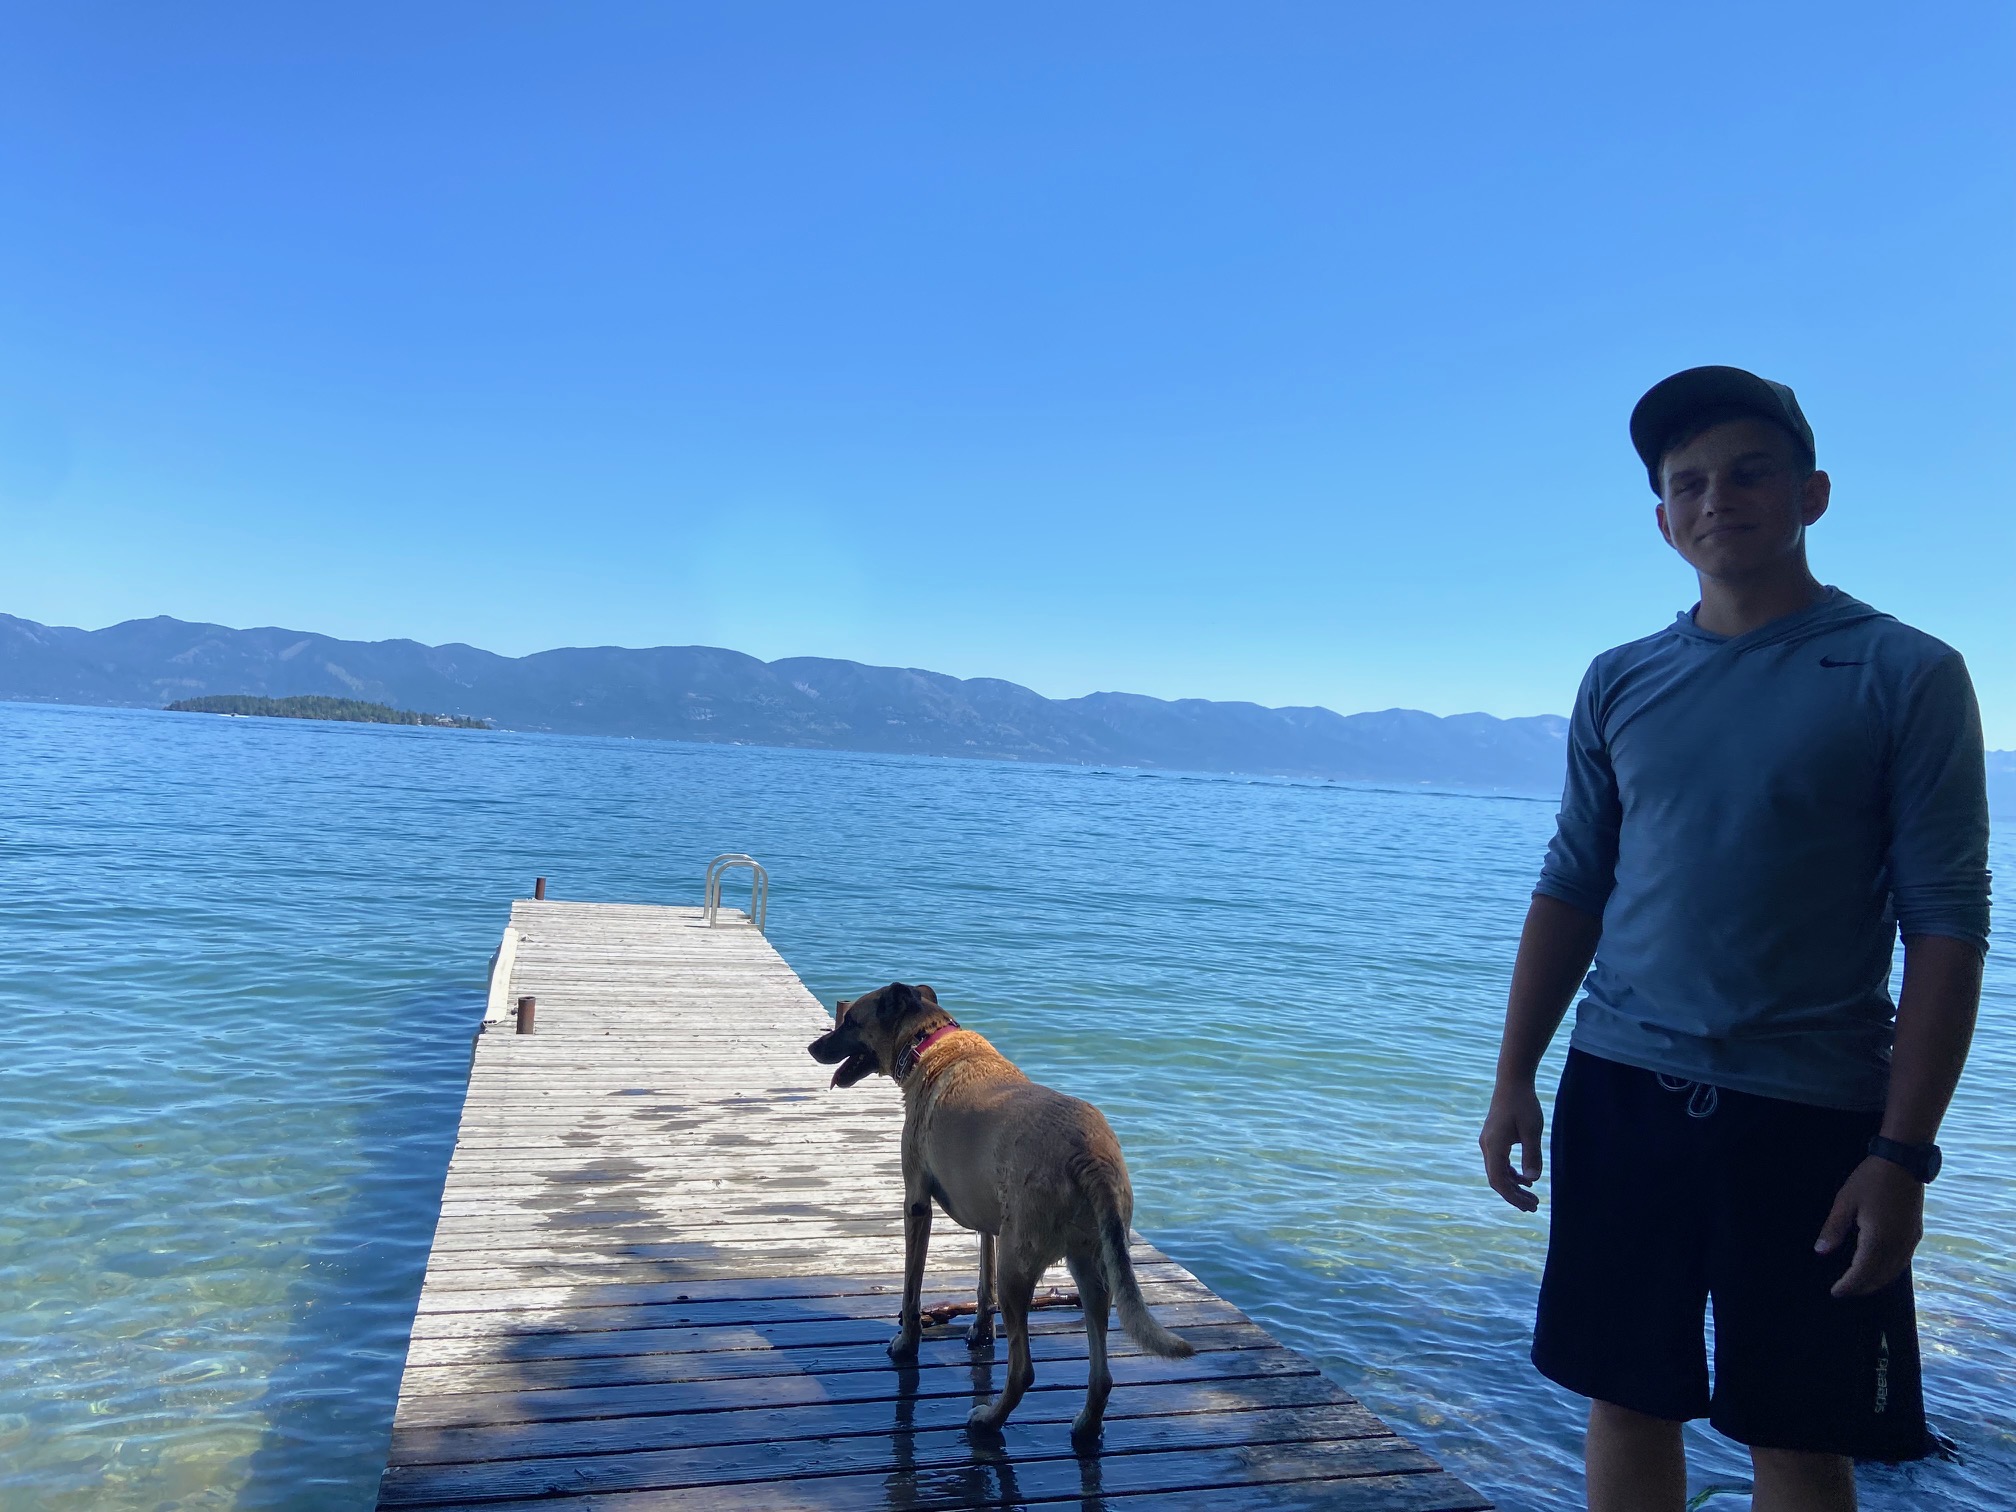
1921 1160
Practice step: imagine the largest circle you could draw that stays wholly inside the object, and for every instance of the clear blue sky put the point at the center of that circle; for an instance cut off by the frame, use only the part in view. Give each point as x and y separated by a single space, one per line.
1262 351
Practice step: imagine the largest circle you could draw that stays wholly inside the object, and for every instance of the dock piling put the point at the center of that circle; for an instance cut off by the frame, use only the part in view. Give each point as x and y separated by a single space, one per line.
526 1006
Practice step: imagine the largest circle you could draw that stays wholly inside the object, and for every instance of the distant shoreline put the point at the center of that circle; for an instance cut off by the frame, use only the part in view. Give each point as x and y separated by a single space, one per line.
314 706
715 695
712 696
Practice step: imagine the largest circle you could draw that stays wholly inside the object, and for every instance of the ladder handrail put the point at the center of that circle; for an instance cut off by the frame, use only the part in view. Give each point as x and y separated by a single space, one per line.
759 887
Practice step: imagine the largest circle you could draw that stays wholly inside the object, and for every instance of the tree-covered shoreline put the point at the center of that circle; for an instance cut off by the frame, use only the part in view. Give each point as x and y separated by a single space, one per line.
312 706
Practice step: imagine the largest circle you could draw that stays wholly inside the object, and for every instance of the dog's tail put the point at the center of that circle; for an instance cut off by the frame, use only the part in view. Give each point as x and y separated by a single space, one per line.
1134 1315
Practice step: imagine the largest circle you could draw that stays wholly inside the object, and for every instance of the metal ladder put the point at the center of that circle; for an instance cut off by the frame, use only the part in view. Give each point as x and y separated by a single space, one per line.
759 888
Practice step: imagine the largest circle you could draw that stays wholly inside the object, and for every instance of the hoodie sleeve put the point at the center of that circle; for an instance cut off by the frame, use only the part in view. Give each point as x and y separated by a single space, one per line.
1581 865
1938 842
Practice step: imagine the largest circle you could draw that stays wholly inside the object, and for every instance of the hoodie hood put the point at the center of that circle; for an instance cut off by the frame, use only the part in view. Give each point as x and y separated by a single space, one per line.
1830 614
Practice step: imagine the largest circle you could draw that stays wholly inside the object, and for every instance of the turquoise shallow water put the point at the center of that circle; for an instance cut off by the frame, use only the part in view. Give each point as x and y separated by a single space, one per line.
242 958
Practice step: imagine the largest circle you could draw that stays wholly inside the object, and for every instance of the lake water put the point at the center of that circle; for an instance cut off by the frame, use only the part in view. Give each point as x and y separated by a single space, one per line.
242 960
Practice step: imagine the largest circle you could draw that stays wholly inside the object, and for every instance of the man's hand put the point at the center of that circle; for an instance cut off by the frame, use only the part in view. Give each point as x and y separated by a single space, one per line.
1555 949
1514 1118
1884 1205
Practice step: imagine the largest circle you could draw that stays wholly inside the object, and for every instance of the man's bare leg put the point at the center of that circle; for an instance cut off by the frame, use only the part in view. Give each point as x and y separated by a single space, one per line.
1791 1481
1634 1463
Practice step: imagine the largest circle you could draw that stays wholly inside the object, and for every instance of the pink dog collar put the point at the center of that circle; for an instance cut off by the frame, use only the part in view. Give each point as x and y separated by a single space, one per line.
907 1061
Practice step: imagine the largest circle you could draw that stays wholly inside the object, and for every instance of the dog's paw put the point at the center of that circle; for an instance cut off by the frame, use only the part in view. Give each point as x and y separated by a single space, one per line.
981 1334
903 1346
1086 1428
982 1420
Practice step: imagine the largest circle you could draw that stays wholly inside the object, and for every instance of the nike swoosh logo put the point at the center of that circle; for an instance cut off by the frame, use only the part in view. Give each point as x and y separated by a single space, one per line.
1828 661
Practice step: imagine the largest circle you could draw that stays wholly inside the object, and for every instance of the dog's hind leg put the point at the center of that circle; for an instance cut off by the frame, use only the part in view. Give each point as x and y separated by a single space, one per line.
1089 1271
981 1334
1018 1273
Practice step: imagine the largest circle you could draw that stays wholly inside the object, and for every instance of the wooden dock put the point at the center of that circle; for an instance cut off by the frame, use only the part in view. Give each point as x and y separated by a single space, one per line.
668 1261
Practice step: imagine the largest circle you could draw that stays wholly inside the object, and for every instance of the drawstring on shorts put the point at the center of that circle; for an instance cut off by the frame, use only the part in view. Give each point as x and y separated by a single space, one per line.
1702 1099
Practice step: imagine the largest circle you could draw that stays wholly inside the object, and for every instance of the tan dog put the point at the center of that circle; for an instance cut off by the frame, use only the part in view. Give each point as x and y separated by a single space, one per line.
1038 1174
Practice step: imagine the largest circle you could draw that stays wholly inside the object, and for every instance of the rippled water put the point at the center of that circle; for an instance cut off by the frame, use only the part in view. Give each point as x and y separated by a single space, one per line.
242 959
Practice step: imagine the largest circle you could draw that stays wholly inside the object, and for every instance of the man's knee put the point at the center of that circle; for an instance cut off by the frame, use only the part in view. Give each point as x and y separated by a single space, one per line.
1634 1462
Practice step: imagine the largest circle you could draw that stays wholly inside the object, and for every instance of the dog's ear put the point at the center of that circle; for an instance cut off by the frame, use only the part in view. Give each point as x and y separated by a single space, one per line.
899 1001
927 994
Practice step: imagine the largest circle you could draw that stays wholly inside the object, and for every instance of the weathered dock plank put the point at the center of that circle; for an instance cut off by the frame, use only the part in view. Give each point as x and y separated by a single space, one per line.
667 1263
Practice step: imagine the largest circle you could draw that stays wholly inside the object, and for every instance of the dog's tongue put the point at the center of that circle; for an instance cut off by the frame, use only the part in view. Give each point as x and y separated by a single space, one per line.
852 1069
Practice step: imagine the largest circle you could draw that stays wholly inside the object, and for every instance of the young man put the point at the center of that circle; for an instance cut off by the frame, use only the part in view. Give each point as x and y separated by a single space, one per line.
1760 798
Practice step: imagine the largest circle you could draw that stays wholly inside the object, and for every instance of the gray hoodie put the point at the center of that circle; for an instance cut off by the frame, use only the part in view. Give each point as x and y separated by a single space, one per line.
1755 819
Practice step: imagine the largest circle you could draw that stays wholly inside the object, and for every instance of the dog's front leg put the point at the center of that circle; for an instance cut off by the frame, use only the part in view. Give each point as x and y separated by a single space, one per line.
916 1242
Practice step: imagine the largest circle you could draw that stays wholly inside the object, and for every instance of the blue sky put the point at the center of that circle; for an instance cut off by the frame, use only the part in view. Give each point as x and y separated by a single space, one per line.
1246 351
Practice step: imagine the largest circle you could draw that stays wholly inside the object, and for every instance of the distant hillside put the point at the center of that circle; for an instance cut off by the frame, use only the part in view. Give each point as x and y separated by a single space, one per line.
314 706
703 693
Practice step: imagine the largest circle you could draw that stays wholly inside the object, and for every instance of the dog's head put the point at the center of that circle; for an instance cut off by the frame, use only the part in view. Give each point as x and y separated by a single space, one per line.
871 1031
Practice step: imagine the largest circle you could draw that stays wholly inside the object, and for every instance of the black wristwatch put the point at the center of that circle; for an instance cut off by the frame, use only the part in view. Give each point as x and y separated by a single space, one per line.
1922 1161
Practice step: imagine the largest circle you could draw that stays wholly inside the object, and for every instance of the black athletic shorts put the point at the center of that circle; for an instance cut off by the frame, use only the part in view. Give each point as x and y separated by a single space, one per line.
1667 1193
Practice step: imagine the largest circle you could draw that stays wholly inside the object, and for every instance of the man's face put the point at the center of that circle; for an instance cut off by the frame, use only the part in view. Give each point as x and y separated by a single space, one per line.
1737 500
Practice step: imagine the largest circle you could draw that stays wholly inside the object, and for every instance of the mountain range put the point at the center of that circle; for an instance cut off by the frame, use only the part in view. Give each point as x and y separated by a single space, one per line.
706 693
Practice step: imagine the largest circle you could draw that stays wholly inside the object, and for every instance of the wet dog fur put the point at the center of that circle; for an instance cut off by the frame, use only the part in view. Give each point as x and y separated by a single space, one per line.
1037 1174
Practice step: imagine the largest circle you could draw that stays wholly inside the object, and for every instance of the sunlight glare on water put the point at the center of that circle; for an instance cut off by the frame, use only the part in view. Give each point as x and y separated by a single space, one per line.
243 960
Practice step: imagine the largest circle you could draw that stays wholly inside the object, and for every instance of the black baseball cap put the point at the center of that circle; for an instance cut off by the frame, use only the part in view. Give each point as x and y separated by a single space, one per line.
1669 402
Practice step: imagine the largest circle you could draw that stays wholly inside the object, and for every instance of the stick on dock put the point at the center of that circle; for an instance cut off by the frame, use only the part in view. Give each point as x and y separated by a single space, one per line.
667 1264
